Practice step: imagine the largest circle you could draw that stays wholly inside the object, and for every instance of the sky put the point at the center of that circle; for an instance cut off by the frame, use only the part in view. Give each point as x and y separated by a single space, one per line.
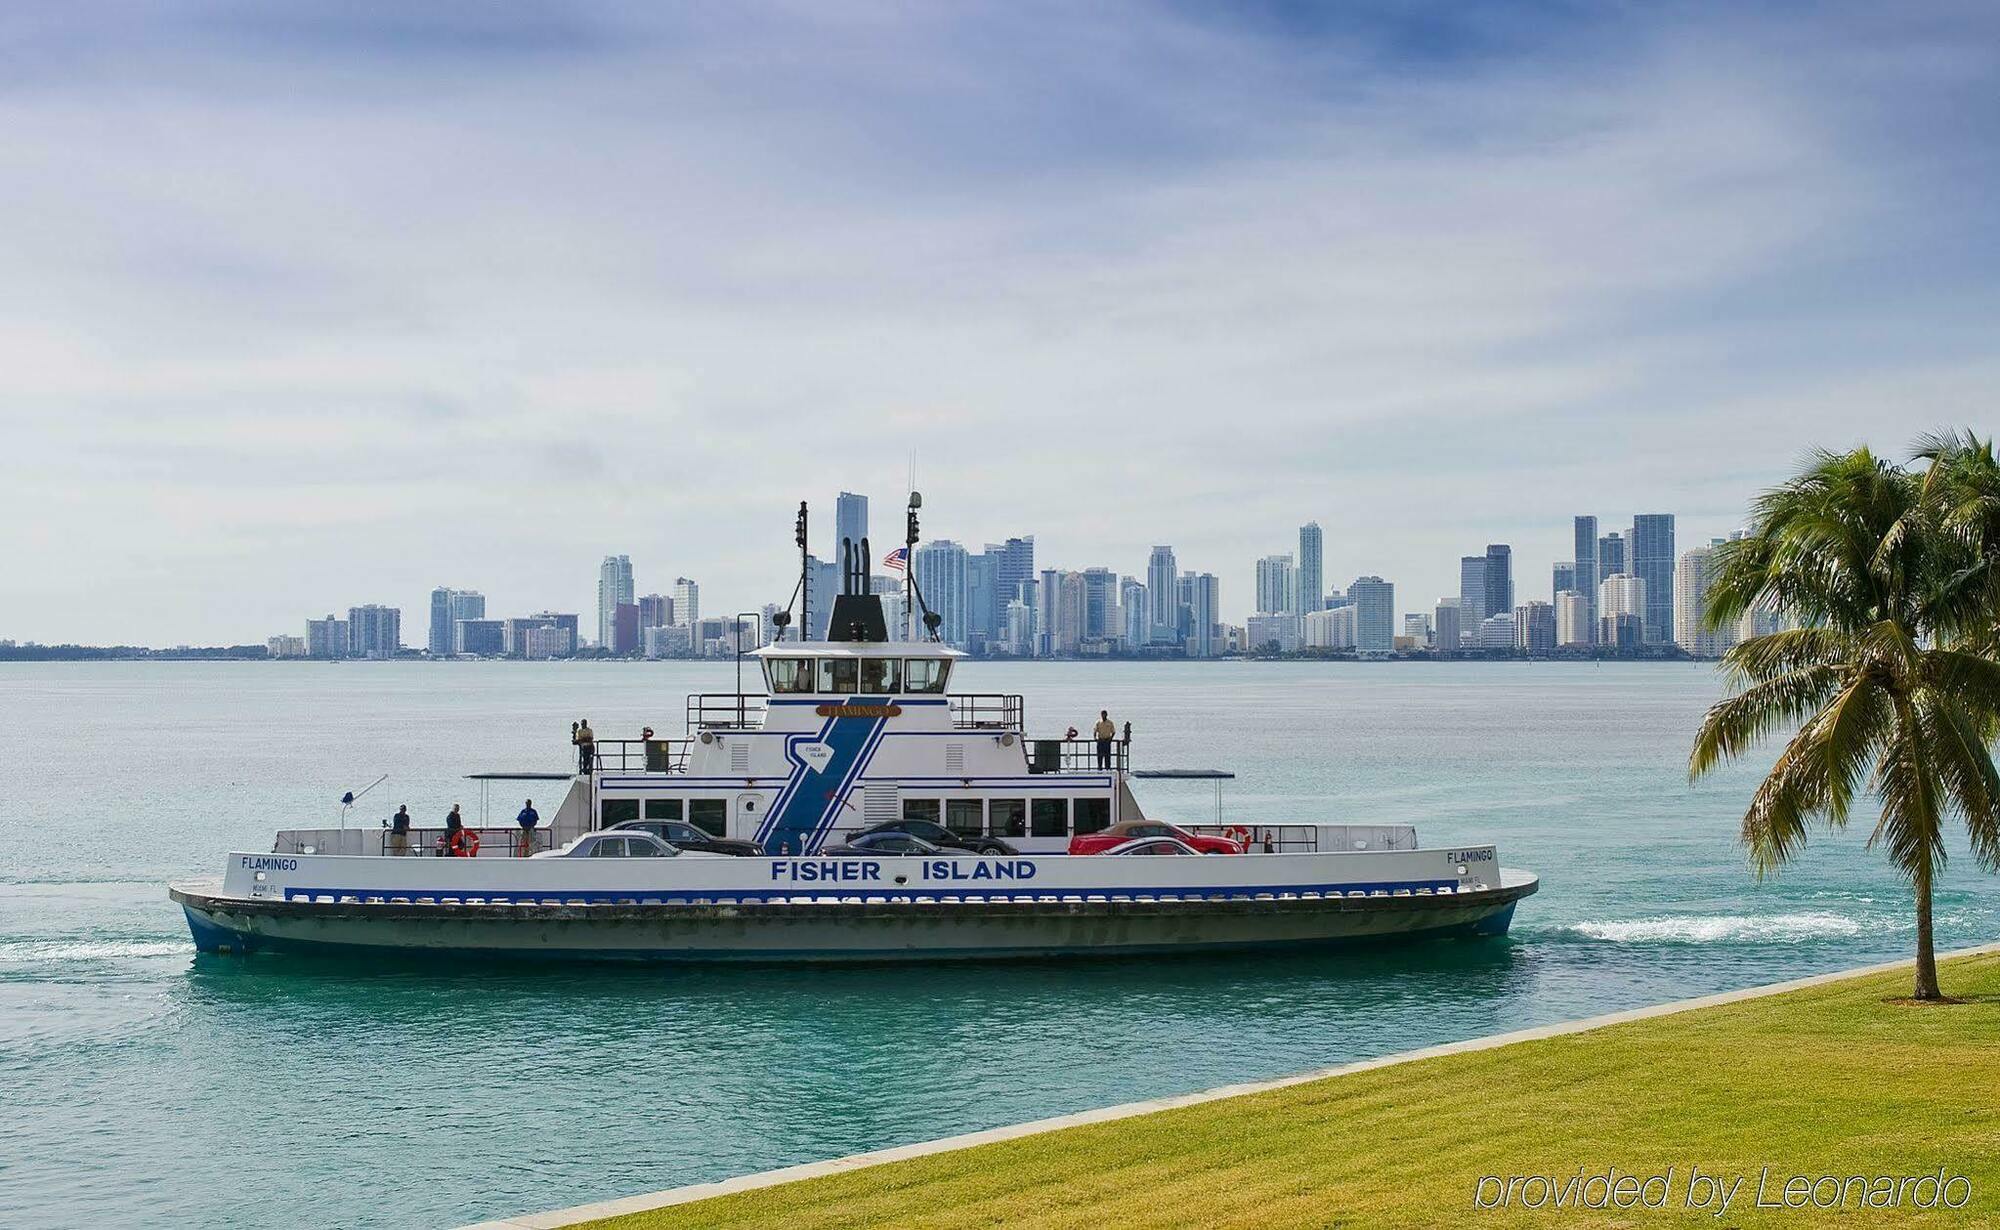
310 305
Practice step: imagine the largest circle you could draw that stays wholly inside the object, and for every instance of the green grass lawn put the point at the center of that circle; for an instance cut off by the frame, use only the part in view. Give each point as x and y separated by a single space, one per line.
1828 1080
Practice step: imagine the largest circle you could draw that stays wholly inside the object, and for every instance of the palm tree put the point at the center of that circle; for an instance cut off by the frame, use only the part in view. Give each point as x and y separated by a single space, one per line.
1881 695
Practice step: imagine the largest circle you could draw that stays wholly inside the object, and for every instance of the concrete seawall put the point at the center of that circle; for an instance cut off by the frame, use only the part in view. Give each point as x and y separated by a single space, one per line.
811 1170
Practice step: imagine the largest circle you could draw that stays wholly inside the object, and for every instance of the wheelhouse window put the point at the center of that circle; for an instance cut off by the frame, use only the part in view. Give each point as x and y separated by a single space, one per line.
1092 815
921 809
711 816
1007 818
962 816
925 674
663 809
1048 818
790 675
881 676
842 675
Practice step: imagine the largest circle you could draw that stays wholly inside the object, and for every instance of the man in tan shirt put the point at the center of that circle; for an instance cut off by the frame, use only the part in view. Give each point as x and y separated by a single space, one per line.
1104 732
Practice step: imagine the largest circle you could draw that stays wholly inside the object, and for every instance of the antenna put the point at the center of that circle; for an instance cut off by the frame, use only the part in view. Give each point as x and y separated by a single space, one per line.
805 577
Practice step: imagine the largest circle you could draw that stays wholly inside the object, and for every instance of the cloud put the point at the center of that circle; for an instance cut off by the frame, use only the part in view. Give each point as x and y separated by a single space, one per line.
335 304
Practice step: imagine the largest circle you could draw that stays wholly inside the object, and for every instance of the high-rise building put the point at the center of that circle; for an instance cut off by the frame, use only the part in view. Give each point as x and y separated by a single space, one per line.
1134 612
655 611
1374 615
485 638
282 646
1472 592
1535 626
448 606
1100 600
1417 629
1691 581
1610 557
1275 632
1072 607
1587 577
1621 611
982 599
1199 596
1563 576
1048 594
1014 566
625 629
614 585
687 602
941 580
1446 633
1652 548
1277 585
1572 620
1020 635
1163 594
1499 578
374 631
850 524
1496 631
549 641
1311 583
1329 628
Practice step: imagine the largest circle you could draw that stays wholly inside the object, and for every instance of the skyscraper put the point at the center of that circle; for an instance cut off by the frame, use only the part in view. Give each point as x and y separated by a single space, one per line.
1535 626
1277 585
1586 579
1136 611
1563 577
1100 597
1199 594
687 602
1572 616
941 579
1374 615
1621 611
1014 566
655 611
326 638
1499 579
850 523
1311 584
1610 558
1472 592
448 606
1691 581
1446 633
1162 594
614 585
374 631
1652 548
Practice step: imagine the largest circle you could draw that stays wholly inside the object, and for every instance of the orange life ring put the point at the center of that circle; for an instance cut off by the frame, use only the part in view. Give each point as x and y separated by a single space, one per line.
1240 835
464 843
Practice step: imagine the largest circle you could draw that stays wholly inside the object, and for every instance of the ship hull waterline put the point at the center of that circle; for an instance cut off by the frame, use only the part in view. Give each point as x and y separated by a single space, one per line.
845 931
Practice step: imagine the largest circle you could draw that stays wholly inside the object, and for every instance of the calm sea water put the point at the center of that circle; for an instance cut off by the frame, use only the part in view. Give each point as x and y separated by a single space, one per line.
141 1084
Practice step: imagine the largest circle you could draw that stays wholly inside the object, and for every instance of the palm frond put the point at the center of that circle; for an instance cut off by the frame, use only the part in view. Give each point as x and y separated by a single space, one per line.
1737 723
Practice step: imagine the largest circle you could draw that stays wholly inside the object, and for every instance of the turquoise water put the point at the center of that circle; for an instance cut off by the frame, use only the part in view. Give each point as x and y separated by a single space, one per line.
140 1084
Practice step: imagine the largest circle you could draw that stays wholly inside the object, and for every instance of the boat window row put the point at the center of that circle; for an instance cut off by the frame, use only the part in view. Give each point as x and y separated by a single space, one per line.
1013 817
856 676
711 816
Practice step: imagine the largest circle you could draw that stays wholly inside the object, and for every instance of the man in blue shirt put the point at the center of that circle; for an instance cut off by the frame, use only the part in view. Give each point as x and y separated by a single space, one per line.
528 819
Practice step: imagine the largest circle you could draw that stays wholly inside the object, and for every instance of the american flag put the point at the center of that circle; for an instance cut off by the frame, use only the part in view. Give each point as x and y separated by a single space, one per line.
897 560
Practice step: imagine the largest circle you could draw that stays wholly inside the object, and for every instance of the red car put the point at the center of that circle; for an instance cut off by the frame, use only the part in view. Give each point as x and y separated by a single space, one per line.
1118 834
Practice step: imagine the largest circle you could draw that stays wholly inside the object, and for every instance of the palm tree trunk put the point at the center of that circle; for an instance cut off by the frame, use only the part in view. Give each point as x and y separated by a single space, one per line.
1927 979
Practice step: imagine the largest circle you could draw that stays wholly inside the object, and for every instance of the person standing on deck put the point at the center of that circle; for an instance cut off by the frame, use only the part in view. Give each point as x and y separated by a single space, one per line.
528 819
452 841
1104 732
586 745
399 830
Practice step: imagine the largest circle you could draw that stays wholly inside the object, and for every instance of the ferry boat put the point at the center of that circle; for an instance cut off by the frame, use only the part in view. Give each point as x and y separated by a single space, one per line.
851 735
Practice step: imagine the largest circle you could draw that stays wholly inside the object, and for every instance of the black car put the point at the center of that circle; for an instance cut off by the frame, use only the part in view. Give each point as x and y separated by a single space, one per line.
686 836
881 842
940 836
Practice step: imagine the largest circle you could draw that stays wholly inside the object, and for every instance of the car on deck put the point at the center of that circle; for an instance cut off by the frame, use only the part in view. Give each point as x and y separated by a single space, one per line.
609 844
1152 846
940 836
1105 840
875 844
681 834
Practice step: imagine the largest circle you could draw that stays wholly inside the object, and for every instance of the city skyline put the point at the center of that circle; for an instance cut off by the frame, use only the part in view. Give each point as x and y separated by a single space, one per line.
601 281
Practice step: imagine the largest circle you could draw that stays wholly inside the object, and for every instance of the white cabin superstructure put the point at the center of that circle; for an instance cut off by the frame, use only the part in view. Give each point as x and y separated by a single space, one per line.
851 734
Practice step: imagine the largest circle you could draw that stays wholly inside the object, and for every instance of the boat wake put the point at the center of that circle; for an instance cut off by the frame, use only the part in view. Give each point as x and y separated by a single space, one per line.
1791 928
51 952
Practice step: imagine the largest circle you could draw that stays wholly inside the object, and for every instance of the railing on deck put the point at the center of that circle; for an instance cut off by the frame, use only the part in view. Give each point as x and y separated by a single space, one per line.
986 710
643 755
724 711
498 841
1076 756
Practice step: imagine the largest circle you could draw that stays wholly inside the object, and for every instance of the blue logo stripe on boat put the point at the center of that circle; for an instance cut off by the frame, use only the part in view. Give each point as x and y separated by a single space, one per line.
814 794
799 770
